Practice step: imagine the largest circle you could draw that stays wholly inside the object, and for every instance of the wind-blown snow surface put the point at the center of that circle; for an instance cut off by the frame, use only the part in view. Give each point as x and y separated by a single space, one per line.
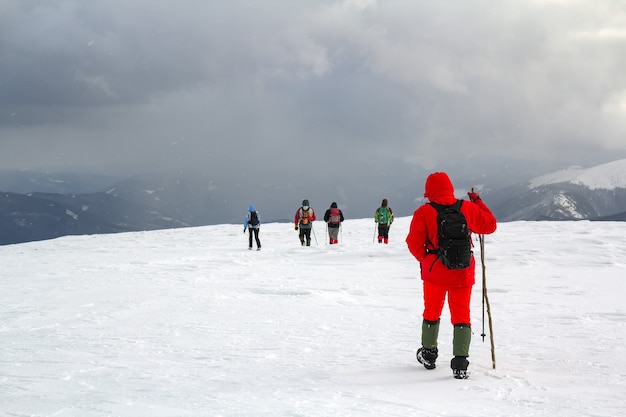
188 322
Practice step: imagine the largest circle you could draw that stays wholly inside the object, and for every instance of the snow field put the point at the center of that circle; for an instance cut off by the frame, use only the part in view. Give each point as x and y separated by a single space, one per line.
188 322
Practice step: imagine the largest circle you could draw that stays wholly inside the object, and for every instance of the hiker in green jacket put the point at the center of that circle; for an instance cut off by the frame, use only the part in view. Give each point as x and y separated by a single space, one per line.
384 218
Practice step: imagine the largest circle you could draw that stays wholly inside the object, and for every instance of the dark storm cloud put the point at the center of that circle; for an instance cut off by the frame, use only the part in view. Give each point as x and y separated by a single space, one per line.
268 88
69 53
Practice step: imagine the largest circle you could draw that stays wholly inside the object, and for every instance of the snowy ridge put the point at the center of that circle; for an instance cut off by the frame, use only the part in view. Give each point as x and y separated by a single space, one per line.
606 176
188 322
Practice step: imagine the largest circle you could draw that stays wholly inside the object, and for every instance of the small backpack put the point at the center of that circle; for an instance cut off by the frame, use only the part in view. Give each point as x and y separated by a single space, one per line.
455 245
383 215
335 216
305 216
254 219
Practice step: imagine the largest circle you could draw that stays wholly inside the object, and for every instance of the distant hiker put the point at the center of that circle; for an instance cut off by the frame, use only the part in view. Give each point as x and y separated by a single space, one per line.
424 241
305 216
384 217
333 217
252 222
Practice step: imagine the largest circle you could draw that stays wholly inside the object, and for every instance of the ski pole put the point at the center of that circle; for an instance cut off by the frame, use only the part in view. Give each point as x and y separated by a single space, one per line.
374 237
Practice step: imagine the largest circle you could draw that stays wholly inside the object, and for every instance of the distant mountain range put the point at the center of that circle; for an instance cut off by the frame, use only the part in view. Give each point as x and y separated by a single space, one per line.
150 203
597 193
40 216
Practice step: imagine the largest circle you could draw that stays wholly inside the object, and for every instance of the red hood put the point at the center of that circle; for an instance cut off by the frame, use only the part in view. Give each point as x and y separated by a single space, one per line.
439 188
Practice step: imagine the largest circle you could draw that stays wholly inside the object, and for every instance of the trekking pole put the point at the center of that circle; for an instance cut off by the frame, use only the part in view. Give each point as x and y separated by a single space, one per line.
482 258
485 299
315 237
481 239
483 294
374 237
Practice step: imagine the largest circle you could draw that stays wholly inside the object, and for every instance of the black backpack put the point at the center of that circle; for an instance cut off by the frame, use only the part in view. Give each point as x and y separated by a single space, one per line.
254 219
455 245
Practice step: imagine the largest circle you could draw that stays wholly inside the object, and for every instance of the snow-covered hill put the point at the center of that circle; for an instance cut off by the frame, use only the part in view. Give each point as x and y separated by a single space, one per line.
572 194
188 322
606 176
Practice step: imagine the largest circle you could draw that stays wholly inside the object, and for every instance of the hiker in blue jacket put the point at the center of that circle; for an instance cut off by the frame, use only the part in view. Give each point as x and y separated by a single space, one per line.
252 222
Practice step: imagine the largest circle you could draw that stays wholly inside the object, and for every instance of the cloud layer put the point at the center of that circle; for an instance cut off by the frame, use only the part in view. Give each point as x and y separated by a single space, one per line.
271 88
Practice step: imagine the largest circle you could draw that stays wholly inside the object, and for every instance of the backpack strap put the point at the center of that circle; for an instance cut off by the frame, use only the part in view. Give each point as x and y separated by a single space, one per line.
457 205
434 251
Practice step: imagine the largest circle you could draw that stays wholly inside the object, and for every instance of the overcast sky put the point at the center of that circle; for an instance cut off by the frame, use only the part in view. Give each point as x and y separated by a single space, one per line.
261 88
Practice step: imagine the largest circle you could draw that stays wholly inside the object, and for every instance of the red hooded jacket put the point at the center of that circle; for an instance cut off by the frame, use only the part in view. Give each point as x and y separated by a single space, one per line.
424 227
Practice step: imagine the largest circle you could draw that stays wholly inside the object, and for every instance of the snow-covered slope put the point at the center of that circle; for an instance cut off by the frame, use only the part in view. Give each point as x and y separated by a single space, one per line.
572 194
188 322
606 176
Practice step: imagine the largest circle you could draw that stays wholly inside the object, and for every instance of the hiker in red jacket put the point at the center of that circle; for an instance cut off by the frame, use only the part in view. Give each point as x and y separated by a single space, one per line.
438 280
304 218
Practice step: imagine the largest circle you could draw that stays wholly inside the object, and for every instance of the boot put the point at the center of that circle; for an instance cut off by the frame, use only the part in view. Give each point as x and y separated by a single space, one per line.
427 357
427 354
380 239
308 242
460 349
386 240
459 366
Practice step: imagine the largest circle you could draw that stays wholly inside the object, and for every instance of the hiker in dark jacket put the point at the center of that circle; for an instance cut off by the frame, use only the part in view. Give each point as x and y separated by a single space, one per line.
333 217
252 222
304 218
438 280
383 217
